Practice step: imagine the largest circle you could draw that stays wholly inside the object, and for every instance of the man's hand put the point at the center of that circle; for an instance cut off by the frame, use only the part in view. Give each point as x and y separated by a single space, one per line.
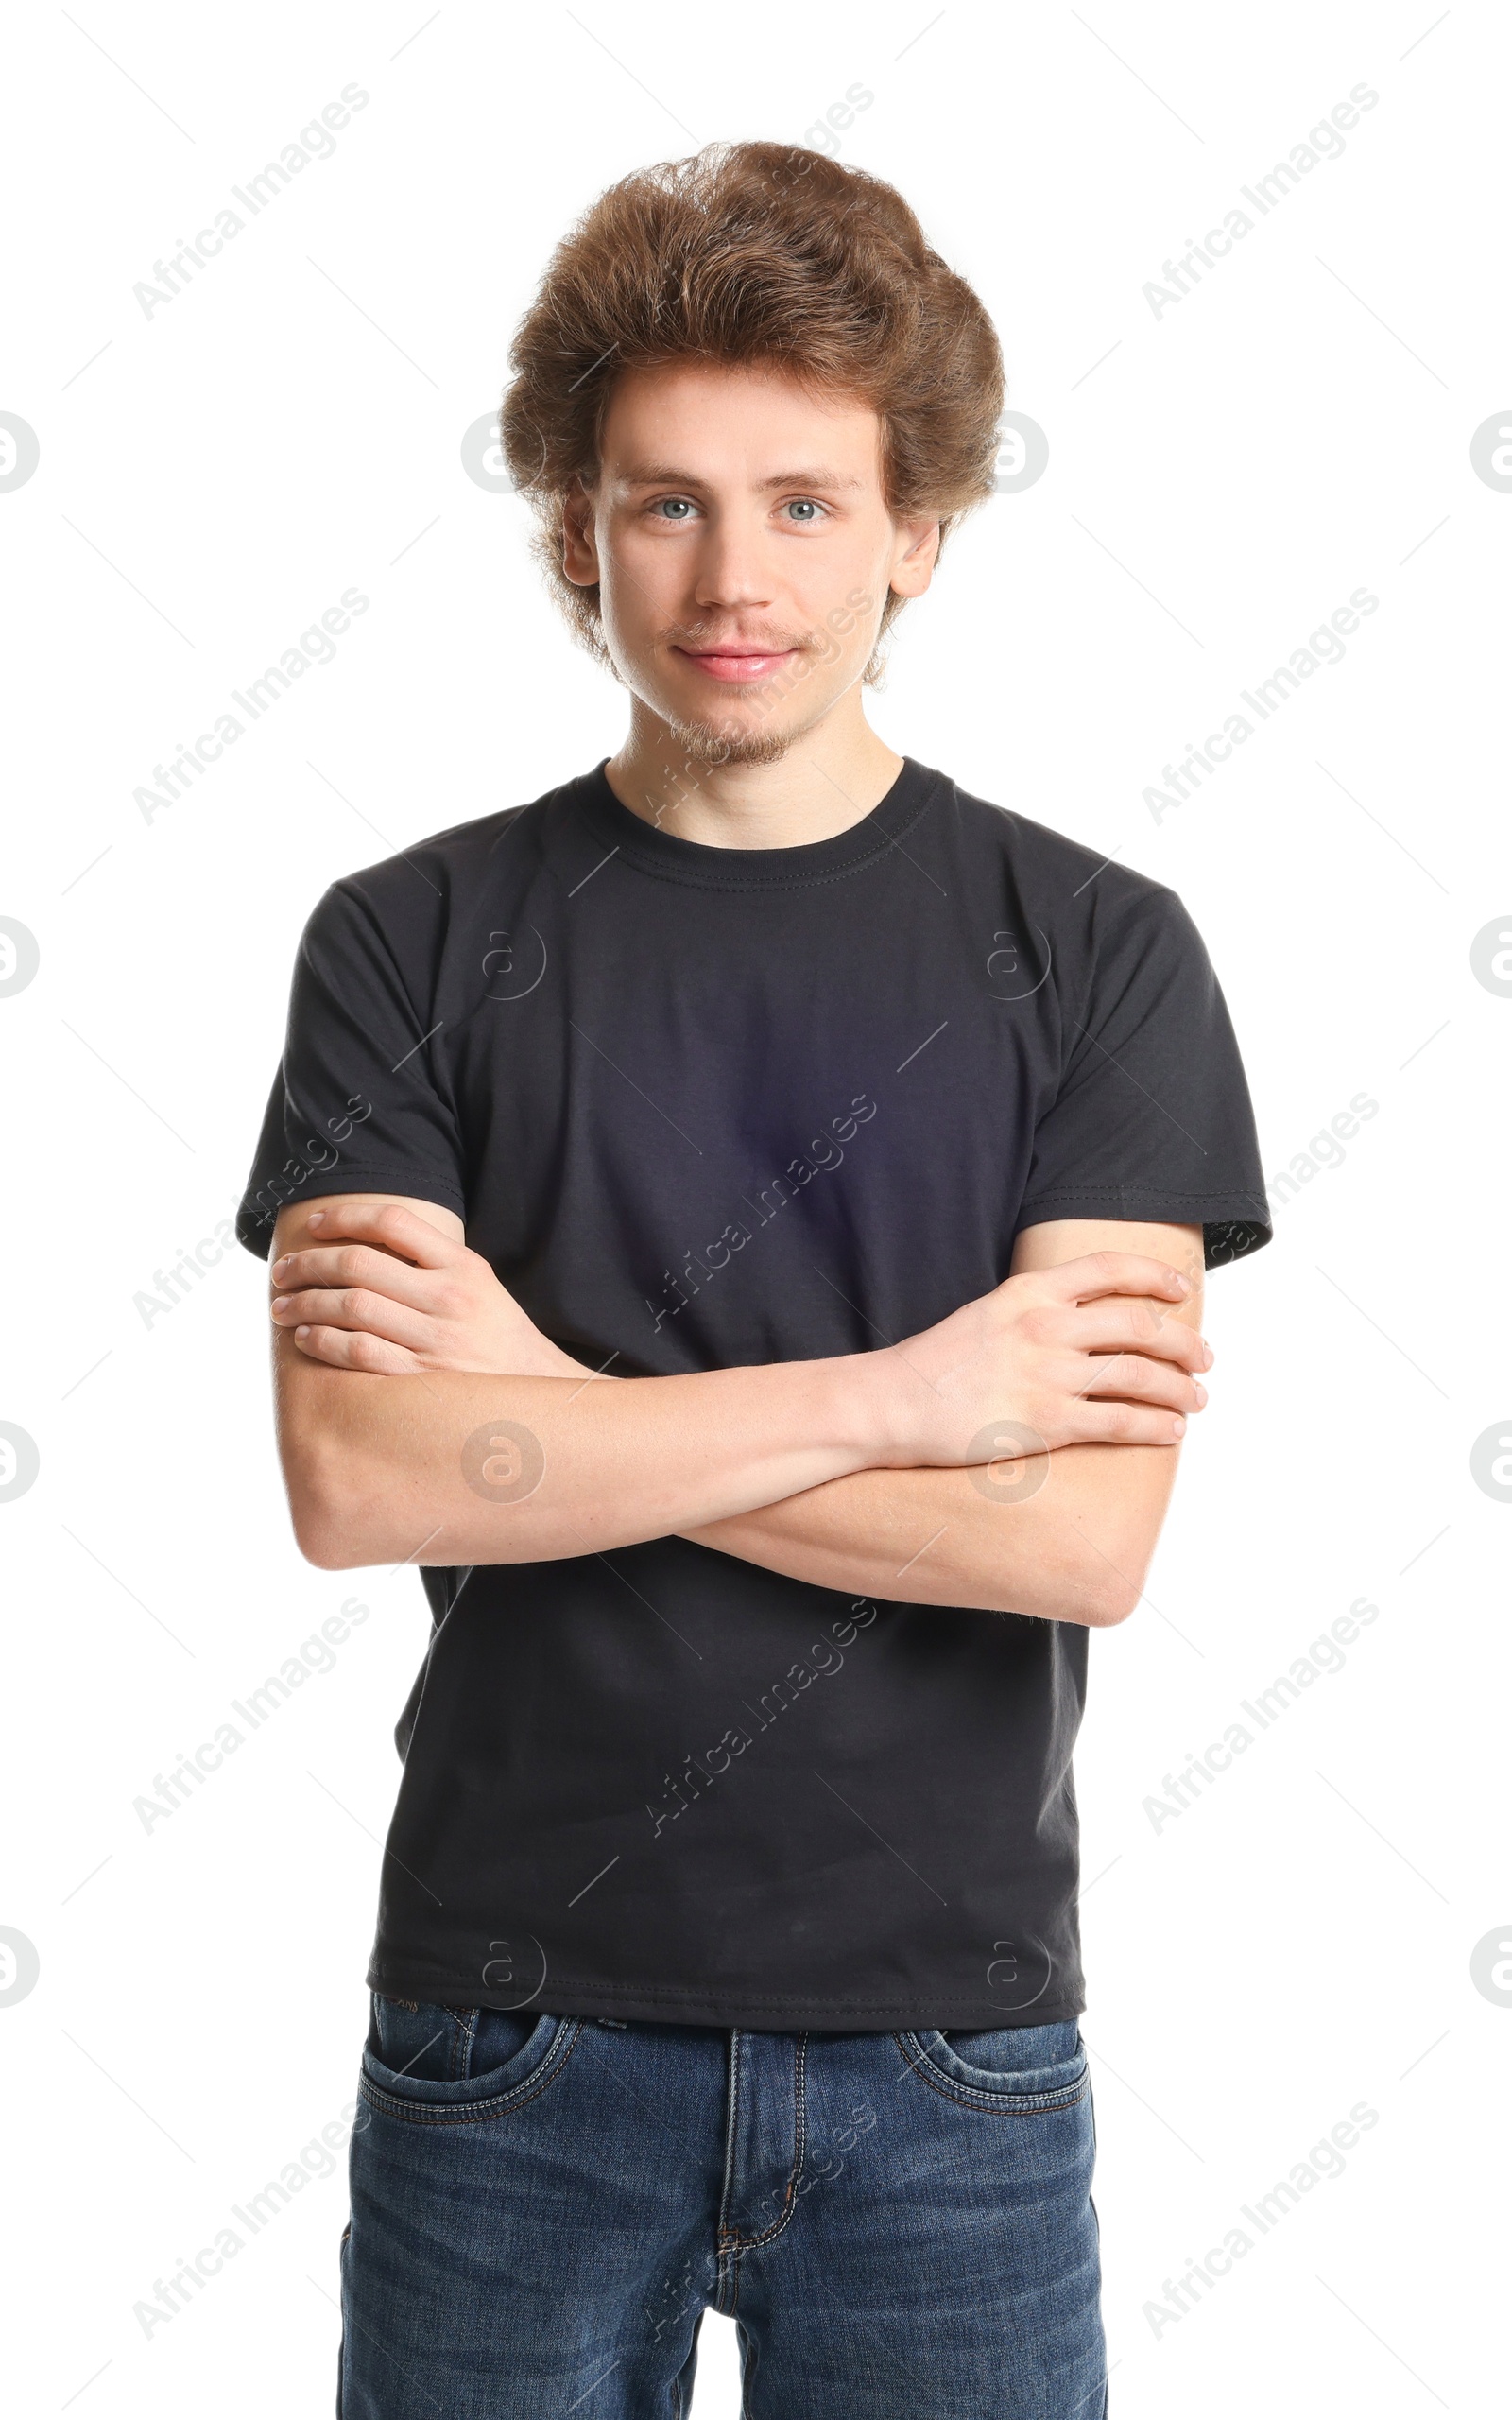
750 1461
391 1294
1062 1536
1080 1354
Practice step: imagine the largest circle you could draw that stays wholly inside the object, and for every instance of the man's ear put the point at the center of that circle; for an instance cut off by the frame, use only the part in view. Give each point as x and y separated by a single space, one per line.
917 552
580 545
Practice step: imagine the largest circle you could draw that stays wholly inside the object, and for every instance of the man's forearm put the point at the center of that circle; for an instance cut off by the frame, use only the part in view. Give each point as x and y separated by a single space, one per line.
1076 1550
453 1467
459 1462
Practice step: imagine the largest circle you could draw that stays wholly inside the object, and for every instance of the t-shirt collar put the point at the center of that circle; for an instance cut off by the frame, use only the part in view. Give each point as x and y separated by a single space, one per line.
657 851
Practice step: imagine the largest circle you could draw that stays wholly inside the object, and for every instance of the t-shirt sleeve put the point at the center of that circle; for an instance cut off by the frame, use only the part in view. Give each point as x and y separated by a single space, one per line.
1152 1118
361 1103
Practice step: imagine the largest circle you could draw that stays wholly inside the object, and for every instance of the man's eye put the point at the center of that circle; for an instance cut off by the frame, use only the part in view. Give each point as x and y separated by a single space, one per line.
673 508
804 510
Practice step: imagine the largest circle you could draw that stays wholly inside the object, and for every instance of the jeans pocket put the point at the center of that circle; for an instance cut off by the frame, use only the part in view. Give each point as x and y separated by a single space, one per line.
426 2056
1030 2068
442 2044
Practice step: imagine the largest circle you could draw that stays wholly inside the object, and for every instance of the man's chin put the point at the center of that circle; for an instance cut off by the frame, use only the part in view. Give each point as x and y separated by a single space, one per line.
730 743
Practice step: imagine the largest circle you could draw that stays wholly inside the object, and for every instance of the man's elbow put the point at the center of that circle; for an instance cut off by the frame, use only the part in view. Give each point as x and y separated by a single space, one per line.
323 1536
1112 1577
327 1546
1118 1527
1109 1599
1091 1596
324 1514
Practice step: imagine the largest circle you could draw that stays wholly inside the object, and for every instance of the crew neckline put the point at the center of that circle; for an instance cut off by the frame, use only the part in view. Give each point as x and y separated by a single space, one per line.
711 868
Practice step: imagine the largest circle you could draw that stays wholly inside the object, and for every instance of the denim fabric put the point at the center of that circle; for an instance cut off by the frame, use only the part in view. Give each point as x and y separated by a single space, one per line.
542 2208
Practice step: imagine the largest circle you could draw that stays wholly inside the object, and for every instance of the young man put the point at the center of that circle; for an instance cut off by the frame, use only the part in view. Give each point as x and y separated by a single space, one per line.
738 1226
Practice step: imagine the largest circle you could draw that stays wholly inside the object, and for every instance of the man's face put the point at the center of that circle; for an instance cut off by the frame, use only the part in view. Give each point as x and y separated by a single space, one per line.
744 552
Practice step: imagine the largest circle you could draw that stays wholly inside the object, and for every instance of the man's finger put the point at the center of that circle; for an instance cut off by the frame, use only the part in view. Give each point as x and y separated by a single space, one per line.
350 1349
1131 1377
355 1311
1112 1322
1097 1421
391 1226
1110 1272
352 1264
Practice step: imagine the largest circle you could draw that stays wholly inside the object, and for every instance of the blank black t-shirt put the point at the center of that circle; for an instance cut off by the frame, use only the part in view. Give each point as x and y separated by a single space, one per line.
704 1107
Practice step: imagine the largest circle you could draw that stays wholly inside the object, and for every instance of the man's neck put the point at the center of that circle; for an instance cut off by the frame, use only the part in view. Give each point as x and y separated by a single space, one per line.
830 778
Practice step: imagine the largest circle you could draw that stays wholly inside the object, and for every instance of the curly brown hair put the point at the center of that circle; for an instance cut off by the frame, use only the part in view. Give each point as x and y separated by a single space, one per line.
753 252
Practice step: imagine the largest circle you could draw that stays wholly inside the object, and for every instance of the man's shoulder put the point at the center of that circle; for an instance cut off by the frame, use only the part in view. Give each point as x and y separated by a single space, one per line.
430 879
1050 868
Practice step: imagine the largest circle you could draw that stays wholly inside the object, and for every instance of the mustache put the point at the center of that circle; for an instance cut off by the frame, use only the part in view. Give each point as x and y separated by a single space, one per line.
695 635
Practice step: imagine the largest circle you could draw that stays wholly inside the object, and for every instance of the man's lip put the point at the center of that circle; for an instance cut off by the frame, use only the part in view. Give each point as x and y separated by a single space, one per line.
735 662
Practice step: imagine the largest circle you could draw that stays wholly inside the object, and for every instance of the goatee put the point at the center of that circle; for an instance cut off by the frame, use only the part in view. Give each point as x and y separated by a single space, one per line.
704 743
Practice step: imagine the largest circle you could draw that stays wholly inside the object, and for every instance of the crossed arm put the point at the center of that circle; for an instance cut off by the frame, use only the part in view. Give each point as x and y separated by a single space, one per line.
422 1417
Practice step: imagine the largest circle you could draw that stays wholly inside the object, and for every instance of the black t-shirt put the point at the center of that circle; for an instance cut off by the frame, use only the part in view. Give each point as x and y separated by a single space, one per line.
703 1106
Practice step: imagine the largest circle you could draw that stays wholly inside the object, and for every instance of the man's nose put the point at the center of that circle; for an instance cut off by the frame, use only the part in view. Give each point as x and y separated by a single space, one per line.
734 568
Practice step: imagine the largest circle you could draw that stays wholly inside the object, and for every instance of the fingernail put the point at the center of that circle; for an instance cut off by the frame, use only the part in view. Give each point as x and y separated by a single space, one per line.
1185 1282
316 1216
1200 1391
280 1301
1179 1426
302 1331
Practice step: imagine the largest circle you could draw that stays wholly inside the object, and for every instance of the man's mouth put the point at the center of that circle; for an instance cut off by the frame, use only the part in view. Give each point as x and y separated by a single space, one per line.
737 663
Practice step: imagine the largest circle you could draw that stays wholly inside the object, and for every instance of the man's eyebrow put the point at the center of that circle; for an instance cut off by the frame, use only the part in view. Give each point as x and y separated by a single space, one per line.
646 474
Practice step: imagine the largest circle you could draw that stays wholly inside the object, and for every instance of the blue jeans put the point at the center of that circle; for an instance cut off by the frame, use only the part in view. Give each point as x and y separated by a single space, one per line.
542 2208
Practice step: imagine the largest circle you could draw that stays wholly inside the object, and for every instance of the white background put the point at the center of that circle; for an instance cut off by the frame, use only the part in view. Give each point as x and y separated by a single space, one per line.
1220 479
